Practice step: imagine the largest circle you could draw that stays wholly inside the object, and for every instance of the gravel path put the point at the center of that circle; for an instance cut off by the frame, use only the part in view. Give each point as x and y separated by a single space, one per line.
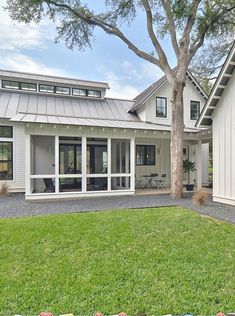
15 205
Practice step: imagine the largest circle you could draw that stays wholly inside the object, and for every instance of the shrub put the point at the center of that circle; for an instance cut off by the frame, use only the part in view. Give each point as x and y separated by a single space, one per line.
200 197
4 189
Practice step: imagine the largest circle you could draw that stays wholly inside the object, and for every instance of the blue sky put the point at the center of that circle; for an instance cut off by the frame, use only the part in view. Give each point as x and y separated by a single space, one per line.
32 49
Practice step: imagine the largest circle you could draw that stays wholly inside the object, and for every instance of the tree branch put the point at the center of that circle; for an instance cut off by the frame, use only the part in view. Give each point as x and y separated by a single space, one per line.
167 8
108 28
164 65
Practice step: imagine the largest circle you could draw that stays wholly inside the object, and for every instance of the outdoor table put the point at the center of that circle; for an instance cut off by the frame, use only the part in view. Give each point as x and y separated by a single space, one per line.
149 178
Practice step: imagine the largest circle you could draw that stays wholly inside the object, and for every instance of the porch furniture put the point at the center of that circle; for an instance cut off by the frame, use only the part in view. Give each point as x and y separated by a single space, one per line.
149 179
162 181
50 187
138 183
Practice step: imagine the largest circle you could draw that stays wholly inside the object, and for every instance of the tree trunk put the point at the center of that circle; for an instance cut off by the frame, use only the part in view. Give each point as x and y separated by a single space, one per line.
177 136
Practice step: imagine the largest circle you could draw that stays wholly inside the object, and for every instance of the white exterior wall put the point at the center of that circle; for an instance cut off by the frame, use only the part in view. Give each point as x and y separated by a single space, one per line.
224 146
147 112
18 182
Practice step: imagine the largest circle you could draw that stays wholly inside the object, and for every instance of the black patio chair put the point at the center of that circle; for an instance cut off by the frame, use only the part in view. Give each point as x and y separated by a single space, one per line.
162 181
49 185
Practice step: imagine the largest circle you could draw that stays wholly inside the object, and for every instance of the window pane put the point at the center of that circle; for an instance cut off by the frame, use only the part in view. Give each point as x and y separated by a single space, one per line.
97 184
6 131
145 155
28 86
6 161
161 107
81 92
62 90
194 110
10 84
94 93
45 88
97 157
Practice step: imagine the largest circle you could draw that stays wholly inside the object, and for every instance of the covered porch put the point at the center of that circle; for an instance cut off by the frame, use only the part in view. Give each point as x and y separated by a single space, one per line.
72 161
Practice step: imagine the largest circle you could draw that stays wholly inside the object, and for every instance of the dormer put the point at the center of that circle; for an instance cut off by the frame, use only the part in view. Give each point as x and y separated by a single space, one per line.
51 85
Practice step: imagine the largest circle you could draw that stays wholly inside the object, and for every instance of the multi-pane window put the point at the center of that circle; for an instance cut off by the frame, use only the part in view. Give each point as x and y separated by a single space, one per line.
145 155
46 88
194 110
161 107
7 84
80 92
28 86
6 153
94 93
62 90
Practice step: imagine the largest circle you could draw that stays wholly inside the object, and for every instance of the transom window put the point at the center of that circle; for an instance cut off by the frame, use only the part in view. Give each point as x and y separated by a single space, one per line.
145 155
94 93
28 86
194 110
10 84
80 92
62 90
46 88
161 107
6 132
6 153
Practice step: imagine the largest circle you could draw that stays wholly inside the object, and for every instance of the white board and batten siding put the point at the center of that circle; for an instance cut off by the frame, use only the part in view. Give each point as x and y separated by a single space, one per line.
18 182
224 146
147 112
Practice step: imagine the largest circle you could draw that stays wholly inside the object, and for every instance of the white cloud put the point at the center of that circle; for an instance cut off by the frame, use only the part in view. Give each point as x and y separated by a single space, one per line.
118 89
21 62
15 36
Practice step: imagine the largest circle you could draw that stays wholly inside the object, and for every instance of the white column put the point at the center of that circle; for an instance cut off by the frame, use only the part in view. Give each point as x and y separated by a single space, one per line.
109 163
57 180
132 163
199 164
127 159
27 164
84 154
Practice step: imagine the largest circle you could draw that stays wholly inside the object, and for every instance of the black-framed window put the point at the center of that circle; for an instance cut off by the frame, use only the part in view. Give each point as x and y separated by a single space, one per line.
80 92
7 84
145 155
194 110
94 93
62 90
161 107
46 88
6 132
27 86
6 160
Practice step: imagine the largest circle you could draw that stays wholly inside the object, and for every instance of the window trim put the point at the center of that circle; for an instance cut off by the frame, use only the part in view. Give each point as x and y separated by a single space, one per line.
11 160
145 154
199 105
166 105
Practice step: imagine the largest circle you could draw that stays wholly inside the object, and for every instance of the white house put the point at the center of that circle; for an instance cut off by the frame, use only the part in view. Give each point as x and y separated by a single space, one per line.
62 138
219 113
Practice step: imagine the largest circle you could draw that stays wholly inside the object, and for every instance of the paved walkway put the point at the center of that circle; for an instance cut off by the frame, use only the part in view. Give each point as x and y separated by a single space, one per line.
14 205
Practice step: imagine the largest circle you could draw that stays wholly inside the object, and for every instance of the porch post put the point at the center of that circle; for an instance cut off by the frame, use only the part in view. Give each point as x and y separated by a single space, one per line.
27 164
109 169
127 159
199 164
132 163
84 153
57 181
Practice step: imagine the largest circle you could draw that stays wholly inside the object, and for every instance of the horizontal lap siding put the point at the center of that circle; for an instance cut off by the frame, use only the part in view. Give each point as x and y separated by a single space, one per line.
18 182
224 144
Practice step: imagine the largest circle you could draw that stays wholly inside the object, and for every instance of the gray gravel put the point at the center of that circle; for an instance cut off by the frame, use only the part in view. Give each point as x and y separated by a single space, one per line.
14 205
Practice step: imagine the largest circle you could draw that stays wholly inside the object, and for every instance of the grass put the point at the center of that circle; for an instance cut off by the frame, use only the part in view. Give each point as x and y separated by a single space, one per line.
153 261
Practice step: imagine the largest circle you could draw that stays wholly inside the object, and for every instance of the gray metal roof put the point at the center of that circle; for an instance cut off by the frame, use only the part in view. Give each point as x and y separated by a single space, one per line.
51 79
205 118
12 103
105 123
143 96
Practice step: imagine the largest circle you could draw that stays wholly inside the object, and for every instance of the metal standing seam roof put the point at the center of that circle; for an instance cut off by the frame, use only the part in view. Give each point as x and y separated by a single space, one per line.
143 96
205 118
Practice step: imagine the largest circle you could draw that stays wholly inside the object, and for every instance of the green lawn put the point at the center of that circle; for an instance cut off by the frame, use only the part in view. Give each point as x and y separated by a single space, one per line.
157 261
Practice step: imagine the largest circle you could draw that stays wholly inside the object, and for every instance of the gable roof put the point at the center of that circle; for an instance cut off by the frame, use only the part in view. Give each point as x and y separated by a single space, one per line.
205 118
147 93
